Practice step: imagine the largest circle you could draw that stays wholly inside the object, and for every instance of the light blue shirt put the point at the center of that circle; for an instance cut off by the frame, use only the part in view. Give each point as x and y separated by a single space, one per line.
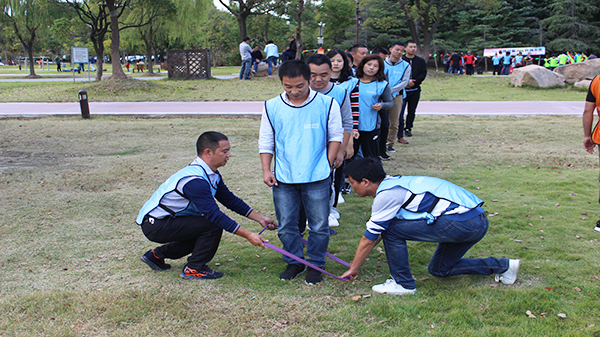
271 50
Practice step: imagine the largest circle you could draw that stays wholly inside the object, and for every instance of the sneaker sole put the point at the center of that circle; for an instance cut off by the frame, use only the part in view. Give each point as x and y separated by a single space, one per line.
152 264
189 277
597 229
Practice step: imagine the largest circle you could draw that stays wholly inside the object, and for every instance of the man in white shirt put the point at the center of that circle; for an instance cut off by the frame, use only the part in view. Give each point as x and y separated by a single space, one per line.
300 133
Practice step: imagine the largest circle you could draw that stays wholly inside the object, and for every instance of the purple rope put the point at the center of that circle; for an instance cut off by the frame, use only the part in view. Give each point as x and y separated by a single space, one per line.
306 263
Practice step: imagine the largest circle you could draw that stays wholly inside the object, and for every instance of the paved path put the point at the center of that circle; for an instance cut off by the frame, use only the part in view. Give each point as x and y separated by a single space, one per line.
154 109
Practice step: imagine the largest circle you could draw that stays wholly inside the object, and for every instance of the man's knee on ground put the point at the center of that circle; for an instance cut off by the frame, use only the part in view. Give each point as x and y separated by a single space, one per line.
437 272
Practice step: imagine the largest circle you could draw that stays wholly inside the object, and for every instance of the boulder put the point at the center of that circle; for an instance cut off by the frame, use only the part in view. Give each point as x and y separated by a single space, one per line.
263 70
536 76
583 84
579 71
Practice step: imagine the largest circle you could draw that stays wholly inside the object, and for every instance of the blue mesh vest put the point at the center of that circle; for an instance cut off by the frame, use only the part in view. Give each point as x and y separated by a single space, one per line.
431 197
368 94
395 73
186 207
300 139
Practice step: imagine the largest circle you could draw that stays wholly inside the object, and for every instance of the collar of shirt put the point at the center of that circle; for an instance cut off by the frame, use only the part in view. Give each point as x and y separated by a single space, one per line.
213 176
311 95
393 63
326 90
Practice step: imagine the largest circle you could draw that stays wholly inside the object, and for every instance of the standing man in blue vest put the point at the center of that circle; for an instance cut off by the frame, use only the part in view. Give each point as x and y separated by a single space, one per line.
300 134
423 209
183 213
320 76
398 73
506 62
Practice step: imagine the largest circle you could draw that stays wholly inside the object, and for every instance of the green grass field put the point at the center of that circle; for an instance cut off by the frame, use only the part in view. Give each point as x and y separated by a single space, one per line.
437 87
71 189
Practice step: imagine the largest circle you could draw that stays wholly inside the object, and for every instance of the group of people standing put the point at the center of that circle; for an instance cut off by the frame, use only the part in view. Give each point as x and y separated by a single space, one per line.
457 63
305 140
252 56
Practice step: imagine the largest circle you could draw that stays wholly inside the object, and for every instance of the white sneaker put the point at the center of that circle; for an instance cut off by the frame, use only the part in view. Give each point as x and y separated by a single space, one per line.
510 275
333 221
391 287
334 212
341 200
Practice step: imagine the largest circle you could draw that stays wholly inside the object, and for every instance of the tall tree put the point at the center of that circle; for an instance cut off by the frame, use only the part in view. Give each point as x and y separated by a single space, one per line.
338 15
155 13
26 17
242 9
570 25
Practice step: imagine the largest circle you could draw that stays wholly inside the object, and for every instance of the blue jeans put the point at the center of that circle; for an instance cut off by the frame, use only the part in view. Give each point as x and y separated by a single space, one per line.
315 197
245 71
271 61
505 69
455 239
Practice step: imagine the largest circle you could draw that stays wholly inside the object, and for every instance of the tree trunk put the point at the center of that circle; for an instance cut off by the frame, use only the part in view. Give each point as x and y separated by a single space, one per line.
241 19
117 69
299 43
98 44
29 48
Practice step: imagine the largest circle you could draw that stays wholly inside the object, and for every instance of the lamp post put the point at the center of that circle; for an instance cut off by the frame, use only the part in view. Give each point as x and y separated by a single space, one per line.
320 38
357 19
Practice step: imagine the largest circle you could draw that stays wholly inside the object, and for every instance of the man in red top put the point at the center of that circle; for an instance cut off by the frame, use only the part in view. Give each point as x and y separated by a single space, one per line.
589 141
470 62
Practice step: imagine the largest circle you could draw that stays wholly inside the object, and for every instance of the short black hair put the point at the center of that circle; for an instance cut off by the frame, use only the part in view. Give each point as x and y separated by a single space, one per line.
318 59
365 168
397 43
410 41
354 48
209 140
380 50
294 68
245 38
270 41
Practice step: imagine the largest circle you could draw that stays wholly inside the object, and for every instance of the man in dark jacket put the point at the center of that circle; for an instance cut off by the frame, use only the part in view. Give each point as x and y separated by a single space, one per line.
413 89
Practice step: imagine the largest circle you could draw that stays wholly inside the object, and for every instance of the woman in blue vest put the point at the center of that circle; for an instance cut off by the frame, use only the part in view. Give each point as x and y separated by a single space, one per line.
374 95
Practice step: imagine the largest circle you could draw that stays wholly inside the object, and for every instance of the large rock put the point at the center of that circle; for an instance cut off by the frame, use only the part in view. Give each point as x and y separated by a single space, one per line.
583 84
536 76
579 71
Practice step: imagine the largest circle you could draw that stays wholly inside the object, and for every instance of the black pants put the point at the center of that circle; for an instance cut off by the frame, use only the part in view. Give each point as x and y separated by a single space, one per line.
384 130
497 69
410 104
368 141
185 235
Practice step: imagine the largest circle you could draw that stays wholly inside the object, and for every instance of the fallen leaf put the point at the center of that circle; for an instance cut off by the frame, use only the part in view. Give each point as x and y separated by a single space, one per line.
557 204
356 298
530 315
366 296
577 236
548 288
577 289
494 285
562 315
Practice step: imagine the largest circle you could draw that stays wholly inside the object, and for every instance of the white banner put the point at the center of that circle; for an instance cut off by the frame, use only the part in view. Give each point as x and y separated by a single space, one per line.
515 51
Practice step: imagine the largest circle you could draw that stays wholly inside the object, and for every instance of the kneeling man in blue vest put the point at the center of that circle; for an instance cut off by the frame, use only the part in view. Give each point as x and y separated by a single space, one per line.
184 216
421 209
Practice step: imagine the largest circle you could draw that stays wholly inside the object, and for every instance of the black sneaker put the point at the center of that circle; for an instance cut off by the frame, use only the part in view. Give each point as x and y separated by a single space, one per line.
407 133
155 262
204 274
313 277
597 229
390 149
346 188
385 157
291 271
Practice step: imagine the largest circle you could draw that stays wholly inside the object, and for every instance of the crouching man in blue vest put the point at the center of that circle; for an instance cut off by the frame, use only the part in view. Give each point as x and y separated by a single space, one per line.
422 209
183 213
